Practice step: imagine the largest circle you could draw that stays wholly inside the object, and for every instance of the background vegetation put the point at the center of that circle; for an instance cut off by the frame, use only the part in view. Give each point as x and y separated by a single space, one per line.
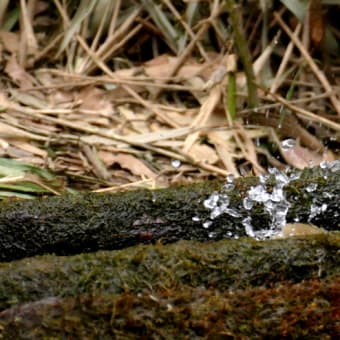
106 95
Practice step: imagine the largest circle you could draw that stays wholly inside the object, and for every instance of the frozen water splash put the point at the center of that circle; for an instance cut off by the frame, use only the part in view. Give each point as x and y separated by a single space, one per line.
331 166
217 203
228 187
207 224
258 194
316 210
248 203
274 202
212 201
248 227
270 193
230 178
311 187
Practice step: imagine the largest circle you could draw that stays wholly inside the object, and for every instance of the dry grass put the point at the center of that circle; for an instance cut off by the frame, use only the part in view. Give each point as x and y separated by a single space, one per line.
112 95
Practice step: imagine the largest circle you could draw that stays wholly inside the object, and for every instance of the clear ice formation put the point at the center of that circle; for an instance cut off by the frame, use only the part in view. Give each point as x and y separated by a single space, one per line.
273 201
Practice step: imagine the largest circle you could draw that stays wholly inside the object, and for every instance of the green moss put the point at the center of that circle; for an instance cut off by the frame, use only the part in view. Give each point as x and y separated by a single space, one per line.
227 264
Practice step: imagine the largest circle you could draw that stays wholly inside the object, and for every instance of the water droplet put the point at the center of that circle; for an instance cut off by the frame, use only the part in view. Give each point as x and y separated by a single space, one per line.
217 211
323 165
295 175
228 187
230 178
277 194
281 179
248 227
288 144
335 165
248 203
207 224
311 187
211 202
327 195
233 212
263 178
176 163
316 210
153 198
258 194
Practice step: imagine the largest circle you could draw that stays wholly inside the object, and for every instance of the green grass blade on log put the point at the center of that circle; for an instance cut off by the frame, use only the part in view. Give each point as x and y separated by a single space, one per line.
11 167
22 180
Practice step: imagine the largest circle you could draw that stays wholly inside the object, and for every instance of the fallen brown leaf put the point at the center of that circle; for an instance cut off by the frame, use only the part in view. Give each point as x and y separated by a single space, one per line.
129 162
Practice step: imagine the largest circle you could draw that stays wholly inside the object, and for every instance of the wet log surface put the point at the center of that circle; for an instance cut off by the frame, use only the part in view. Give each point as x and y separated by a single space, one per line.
88 222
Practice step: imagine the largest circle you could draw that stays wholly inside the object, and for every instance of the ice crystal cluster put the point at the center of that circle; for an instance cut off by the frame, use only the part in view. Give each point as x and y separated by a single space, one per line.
273 200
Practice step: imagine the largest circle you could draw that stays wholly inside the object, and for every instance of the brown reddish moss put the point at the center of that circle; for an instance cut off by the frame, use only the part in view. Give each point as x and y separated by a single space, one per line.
308 310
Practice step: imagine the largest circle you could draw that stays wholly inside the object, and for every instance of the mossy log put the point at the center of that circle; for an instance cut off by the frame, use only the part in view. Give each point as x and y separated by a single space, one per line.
73 224
307 310
222 265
